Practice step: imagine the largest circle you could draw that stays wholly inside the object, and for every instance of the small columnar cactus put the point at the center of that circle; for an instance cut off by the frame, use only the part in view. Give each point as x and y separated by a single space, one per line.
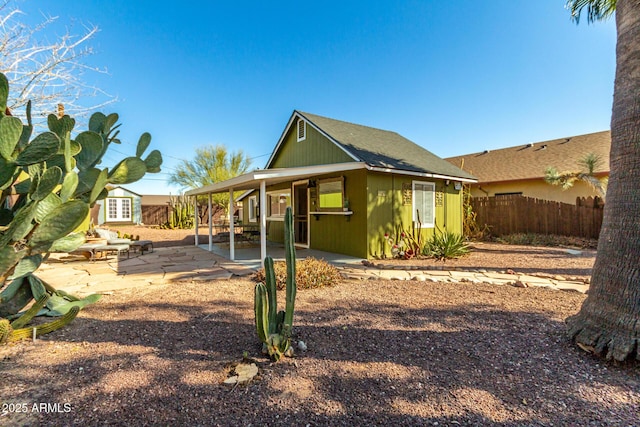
275 327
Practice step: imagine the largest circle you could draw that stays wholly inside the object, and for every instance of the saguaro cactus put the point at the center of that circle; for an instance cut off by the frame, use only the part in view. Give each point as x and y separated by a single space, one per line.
275 327
50 182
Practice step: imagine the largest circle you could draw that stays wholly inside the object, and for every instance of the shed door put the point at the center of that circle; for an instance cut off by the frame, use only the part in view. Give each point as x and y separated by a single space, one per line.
118 209
301 213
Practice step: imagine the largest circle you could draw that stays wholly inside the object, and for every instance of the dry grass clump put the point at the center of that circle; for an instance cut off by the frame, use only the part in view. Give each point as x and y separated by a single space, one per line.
534 239
310 273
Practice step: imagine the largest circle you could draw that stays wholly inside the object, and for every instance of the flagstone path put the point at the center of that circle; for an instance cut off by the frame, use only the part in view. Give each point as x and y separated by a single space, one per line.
192 264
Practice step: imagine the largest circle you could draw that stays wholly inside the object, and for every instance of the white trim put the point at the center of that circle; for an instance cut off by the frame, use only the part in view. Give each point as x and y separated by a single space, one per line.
433 203
304 130
210 213
251 180
293 204
252 209
343 213
119 207
195 219
232 232
263 221
271 217
420 174
124 189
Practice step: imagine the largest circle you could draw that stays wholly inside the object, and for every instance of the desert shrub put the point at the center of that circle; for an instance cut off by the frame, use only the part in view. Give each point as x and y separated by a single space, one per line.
471 229
310 273
446 245
535 239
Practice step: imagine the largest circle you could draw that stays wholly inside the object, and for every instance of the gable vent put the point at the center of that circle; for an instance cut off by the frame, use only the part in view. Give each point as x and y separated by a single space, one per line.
302 130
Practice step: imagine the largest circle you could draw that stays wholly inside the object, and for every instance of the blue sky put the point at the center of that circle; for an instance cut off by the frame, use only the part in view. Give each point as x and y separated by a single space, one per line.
455 77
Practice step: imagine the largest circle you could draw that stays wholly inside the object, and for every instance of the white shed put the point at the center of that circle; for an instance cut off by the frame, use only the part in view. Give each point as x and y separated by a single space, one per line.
121 206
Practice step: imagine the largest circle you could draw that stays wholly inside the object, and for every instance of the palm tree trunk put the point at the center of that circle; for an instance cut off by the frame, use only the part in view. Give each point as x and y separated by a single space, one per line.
609 320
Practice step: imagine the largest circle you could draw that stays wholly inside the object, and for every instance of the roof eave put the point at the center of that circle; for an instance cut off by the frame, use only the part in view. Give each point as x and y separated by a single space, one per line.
421 174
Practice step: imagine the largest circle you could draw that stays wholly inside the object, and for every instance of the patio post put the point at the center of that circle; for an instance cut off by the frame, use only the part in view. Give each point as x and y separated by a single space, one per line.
232 249
195 214
263 221
210 224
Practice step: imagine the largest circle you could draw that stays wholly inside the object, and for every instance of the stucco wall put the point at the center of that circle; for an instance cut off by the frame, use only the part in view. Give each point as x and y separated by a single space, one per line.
538 189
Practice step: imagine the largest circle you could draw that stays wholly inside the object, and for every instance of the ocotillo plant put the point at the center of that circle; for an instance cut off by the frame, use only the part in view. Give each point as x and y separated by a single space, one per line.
275 327
51 181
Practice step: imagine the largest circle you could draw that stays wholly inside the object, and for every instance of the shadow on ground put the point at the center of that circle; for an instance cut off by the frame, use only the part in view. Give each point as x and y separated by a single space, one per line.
149 361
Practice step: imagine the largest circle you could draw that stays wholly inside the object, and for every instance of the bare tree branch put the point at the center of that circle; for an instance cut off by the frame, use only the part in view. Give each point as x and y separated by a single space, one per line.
47 73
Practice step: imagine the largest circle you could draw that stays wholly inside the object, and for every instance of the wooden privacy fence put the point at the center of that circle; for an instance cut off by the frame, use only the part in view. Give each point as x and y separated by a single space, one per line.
155 214
159 215
519 214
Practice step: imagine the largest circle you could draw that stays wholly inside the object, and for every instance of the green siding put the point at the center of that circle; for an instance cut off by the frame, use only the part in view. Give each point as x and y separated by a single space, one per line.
344 234
388 214
316 149
376 202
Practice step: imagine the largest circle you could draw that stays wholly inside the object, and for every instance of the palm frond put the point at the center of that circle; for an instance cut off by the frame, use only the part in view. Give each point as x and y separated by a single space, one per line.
597 10
599 185
590 162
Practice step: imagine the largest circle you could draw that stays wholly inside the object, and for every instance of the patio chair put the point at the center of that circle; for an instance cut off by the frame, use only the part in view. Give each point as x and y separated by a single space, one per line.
111 237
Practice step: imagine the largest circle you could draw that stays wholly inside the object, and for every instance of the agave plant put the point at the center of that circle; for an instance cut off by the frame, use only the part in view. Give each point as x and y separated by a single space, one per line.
444 245
47 185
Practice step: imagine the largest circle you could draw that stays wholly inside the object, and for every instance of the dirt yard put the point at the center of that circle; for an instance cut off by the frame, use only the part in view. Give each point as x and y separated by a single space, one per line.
378 353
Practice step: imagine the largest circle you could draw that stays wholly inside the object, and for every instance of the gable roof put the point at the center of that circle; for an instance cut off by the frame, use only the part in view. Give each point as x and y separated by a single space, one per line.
530 161
111 188
376 147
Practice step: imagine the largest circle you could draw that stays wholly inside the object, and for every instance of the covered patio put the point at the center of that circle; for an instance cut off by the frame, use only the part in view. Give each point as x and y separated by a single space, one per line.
259 180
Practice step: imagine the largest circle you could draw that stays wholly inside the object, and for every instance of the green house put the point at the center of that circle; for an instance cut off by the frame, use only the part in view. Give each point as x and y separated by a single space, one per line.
348 185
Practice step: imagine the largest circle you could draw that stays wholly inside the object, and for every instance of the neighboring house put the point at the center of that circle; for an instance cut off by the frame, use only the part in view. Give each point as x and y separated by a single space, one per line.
521 169
348 185
121 206
155 200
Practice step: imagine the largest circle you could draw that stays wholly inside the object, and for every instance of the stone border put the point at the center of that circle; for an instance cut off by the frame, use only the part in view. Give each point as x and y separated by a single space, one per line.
371 271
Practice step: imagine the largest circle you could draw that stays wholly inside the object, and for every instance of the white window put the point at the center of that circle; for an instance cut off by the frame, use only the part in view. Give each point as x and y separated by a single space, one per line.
119 209
424 206
302 130
277 203
253 209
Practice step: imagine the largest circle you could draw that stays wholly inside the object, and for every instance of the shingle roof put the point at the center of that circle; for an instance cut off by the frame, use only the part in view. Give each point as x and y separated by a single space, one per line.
381 148
531 160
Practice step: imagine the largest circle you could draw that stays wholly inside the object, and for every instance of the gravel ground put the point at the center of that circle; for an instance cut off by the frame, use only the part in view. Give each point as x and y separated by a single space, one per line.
379 353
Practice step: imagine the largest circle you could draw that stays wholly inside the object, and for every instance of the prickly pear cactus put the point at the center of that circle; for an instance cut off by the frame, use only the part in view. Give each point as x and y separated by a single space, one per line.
48 183
275 327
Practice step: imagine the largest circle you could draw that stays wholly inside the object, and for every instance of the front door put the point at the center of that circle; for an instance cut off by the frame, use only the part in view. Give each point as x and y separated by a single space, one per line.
301 213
